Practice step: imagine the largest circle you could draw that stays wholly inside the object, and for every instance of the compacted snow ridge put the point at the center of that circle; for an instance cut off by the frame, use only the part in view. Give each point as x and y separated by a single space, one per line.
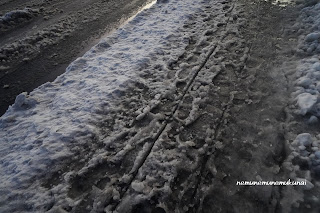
16 17
64 124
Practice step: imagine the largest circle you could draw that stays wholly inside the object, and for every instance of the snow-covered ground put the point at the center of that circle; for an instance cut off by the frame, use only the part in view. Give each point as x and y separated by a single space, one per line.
117 128
303 160
308 72
307 84
55 121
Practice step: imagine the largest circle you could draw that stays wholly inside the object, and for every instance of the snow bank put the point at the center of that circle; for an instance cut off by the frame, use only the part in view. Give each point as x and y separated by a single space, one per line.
308 72
303 161
59 120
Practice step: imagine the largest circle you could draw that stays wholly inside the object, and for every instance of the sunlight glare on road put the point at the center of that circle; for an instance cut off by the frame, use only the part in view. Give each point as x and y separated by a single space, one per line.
149 5
282 3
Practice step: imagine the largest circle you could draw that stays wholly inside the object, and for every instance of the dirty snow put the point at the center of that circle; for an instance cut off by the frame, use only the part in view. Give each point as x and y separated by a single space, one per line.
308 72
62 120
17 17
54 121
303 159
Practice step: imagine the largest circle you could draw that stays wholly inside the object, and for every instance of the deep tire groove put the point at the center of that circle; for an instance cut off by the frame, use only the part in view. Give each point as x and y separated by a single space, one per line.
216 135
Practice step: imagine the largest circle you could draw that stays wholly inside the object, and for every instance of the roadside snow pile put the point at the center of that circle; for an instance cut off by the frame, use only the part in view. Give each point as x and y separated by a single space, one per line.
305 154
308 72
308 87
59 120
310 18
304 159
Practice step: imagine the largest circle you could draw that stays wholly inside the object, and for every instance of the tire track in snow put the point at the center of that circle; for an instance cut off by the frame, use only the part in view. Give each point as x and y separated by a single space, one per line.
195 185
150 144
177 106
196 191
221 123
190 183
146 142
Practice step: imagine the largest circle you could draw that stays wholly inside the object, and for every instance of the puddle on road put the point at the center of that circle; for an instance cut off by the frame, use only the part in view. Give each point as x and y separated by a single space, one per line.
149 5
283 3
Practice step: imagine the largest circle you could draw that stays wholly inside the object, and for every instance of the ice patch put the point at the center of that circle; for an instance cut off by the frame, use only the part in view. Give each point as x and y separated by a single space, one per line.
306 101
316 66
317 154
312 37
138 186
304 82
304 139
282 3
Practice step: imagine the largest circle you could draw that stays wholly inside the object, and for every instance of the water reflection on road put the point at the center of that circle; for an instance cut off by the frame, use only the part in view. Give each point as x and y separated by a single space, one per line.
281 3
